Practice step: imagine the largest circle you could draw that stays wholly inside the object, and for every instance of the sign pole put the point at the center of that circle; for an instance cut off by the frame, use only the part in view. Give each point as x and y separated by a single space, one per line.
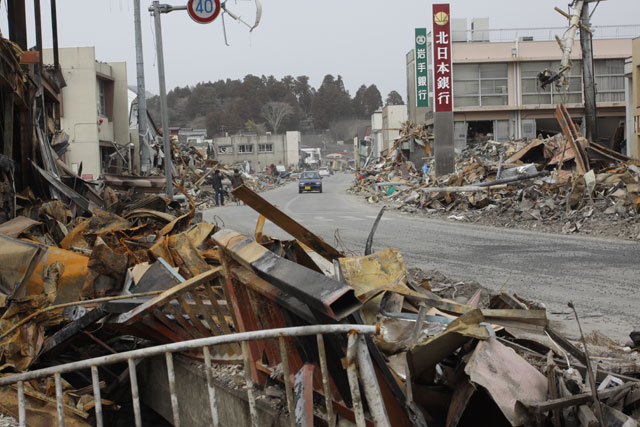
168 164
442 91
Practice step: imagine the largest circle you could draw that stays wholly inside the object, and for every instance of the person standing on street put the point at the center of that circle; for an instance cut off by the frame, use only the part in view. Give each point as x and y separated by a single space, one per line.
236 181
216 182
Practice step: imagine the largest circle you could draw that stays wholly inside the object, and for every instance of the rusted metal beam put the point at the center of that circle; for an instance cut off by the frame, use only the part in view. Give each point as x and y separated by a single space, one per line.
17 22
319 292
287 223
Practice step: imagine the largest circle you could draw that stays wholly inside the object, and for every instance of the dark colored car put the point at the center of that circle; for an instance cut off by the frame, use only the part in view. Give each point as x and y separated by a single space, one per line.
310 181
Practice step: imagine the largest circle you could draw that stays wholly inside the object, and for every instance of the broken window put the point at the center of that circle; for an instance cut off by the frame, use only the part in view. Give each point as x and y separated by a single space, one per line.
102 101
247 148
532 93
225 149
265 148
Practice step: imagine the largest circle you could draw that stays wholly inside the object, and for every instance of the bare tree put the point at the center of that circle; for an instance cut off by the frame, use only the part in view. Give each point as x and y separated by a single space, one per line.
275 112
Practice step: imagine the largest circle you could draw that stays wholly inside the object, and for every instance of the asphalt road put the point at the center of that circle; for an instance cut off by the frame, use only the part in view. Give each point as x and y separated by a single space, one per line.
600 276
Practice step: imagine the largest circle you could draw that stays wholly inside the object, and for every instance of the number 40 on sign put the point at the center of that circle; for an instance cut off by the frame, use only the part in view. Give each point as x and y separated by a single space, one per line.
203 11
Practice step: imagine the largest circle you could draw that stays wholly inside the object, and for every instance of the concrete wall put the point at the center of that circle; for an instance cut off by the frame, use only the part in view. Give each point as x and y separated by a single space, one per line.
120 103
636 97
392 118
376 132
79 107
292 148
281 155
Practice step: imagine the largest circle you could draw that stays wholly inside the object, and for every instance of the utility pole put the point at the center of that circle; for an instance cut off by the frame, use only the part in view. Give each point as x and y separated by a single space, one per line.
145 157
155 10
590 110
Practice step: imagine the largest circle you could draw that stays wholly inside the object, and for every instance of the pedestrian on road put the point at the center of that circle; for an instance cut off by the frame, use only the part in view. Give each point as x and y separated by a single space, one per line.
236 181
216 182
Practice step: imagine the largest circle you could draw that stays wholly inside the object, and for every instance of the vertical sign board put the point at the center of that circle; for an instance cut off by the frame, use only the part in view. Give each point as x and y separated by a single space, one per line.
422 83
442 91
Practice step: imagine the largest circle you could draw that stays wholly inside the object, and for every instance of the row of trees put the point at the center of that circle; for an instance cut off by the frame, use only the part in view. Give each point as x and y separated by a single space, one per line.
259 104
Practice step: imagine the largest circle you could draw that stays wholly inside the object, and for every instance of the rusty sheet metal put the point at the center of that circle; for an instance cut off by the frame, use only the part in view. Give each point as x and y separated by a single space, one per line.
141 184
424 356
18 225
372 275
287 223
506 376
320 292
149 213
199 234
24 264
107 271
186 257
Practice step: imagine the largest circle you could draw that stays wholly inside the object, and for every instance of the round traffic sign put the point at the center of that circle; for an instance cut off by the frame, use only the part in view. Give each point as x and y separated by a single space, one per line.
203 11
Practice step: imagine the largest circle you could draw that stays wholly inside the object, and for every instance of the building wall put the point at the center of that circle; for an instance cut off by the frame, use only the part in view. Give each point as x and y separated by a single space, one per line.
282 154
376 132
392 118
80 113
635 72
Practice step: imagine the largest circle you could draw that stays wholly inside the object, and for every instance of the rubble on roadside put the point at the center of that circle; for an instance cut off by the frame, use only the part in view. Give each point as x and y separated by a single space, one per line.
563 184
142 272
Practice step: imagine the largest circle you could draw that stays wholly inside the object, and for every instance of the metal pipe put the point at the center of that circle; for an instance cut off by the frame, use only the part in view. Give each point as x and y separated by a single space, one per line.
22 410
328 399
145 155
95 380
171 374
38 19
168 166
54 34
371 386
75 303
133 379
249 385
212 391
352 373
286 377
59 402
17 23
296 331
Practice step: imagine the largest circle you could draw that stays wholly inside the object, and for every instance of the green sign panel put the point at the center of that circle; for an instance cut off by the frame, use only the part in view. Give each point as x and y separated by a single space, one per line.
422 79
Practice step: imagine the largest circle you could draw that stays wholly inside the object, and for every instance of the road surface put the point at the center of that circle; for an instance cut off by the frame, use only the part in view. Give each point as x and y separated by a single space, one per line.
600 276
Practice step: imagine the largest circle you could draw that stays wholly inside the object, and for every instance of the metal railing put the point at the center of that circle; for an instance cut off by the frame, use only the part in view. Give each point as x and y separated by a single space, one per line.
357 355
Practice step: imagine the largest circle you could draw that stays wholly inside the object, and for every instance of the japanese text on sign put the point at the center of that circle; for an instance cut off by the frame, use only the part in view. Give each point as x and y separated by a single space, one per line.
443 87
422 80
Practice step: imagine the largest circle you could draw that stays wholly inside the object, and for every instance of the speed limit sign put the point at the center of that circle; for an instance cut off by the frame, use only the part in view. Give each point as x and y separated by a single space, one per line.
203 11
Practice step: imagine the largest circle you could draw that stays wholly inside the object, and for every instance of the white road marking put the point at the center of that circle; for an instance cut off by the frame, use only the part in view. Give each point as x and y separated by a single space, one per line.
321 218
351 218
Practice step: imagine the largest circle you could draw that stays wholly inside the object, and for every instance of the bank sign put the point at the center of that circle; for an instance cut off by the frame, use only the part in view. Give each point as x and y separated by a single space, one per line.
442 82
422 79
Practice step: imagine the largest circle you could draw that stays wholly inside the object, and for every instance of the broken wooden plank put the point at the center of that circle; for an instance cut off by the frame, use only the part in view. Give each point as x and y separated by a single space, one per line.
586 416
287 223
575 400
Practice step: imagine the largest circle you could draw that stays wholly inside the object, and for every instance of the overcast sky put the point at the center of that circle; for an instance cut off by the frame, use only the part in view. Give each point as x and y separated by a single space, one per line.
365 41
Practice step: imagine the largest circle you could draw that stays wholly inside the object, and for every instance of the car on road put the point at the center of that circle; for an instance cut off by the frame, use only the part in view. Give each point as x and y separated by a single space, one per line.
324 171
310 181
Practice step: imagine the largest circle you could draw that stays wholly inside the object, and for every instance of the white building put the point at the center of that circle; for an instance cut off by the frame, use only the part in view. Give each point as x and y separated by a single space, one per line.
94 111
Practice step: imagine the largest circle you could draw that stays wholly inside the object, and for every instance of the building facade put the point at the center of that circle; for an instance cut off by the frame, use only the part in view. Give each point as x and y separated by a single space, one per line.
496 89
259 151
392 118
94 111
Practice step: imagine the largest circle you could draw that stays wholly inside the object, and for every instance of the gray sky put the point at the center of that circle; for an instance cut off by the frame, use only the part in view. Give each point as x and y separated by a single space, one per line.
365 41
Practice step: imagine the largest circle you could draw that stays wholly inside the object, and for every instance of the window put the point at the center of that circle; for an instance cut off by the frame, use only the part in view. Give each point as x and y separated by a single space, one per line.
225 149
480 84
102 100
609 74
245 148
265 148
532 93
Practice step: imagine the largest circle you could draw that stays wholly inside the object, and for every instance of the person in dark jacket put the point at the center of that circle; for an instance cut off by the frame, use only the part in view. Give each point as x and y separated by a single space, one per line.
236 181
216 182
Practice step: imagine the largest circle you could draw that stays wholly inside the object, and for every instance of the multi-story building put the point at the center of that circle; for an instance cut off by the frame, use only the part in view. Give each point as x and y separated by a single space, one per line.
496 88
94 111
259 150
188 135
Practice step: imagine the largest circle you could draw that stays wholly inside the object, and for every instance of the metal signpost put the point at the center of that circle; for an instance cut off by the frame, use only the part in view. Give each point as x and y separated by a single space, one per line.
203 12
442 91
422 74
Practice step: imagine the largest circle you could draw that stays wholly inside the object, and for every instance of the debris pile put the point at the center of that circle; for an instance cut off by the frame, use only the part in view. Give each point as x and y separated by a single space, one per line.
560 184
141 273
